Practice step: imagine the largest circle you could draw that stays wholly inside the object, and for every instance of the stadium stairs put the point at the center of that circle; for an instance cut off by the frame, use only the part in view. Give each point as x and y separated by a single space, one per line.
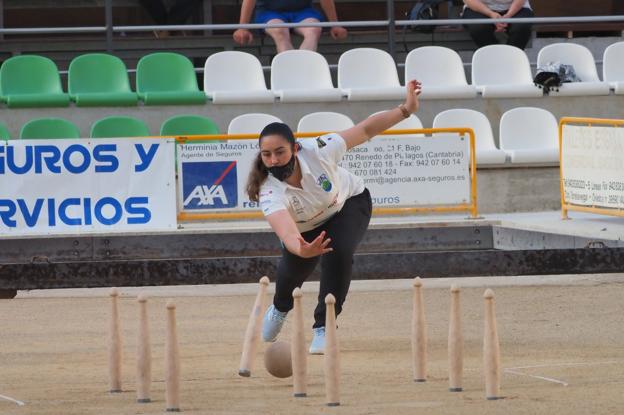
220 253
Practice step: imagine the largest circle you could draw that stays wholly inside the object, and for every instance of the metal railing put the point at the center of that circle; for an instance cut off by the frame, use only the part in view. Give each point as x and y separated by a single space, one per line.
391 24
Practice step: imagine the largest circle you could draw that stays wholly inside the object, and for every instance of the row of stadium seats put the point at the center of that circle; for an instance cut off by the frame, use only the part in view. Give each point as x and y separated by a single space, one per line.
521 142
498 71
99 80
233 77
113 126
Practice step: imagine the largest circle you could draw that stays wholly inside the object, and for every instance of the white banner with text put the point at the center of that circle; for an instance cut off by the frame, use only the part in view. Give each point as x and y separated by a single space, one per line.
591 166
399 172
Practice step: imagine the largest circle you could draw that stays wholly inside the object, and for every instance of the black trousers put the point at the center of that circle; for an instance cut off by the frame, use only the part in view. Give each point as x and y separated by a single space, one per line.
346 229
518 34
179 12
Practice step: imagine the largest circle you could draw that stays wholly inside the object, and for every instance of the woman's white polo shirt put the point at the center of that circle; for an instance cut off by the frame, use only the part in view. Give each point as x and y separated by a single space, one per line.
325 185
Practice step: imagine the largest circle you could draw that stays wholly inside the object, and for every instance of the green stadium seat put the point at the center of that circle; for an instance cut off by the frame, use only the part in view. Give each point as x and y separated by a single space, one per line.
4 132
49 128
166 78
119 126
182 125
29 81
99 79
188 125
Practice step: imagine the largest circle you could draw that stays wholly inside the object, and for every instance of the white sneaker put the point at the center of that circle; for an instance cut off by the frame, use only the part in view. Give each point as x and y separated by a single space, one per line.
318 341
272 323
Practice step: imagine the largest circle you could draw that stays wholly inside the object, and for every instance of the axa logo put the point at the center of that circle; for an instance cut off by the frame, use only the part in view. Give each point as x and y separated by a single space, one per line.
207 196
210 185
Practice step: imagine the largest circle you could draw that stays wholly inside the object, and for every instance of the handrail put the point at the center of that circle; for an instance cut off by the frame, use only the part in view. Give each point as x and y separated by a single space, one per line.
363 23
390 24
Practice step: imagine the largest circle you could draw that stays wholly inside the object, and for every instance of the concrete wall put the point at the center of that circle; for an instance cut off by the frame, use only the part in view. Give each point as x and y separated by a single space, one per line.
524 189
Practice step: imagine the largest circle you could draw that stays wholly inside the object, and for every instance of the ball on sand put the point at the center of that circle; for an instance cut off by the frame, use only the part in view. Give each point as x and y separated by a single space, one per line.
277 359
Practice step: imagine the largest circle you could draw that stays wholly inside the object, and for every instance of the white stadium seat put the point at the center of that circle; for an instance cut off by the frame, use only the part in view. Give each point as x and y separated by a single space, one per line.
613 67
233 77
530 135
485 149
503 71
584 65
251 123
441 72
324 121
411 123
368 74
302 76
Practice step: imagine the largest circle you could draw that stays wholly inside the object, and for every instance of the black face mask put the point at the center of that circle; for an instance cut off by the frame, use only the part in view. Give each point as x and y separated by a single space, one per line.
282 173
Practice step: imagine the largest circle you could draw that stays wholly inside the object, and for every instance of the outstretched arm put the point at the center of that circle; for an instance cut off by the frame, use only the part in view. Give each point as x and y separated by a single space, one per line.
286 229
370 127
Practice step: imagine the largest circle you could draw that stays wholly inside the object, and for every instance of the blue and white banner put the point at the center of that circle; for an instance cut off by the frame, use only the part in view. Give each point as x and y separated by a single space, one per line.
60 187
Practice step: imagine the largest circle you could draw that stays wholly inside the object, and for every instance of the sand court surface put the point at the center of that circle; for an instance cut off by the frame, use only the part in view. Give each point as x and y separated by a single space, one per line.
562 346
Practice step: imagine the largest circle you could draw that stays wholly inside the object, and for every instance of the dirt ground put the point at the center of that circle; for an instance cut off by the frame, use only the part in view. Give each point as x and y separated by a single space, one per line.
562 353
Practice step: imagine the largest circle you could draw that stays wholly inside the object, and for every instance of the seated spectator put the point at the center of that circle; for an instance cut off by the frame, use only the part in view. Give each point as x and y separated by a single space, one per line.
284 11
518 34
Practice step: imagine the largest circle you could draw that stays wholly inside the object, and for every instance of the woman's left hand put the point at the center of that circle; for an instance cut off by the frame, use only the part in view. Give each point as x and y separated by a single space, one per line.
318 246
414 88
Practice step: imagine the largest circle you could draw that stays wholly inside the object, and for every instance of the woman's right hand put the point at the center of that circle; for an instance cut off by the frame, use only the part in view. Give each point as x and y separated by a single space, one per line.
318 246
243 36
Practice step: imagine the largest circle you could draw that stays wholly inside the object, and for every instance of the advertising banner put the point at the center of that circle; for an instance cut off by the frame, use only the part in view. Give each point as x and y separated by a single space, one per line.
60 187
591 166
399 172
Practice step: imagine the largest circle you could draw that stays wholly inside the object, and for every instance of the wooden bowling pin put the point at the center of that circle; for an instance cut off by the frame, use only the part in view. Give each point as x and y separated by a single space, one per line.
332 354
114 344
172 362
419 334
491 348
298 348
455 343
144 354
252 333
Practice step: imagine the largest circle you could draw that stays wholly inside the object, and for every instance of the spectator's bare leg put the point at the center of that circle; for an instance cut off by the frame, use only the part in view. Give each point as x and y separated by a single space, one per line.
280 35
311 35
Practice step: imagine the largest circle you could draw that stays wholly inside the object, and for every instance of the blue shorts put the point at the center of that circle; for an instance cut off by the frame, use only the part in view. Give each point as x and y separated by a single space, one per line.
289 17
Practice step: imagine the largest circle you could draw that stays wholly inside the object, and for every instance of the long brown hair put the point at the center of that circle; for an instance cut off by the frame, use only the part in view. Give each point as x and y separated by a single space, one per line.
259 172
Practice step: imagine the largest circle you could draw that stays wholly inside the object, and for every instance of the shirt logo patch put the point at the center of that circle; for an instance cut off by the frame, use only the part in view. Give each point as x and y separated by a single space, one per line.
320 143
324 182
297 206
